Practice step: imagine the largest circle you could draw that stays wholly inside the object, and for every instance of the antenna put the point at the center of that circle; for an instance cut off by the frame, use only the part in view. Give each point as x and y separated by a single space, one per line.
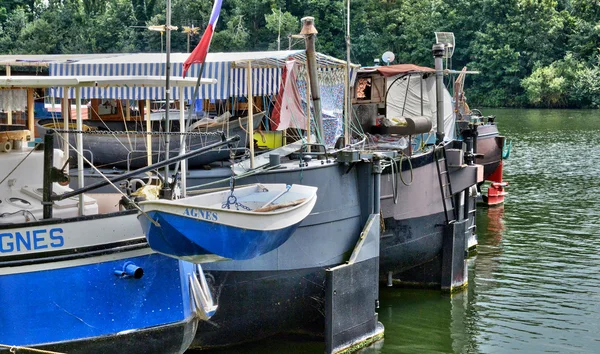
388 57
190 31
447 39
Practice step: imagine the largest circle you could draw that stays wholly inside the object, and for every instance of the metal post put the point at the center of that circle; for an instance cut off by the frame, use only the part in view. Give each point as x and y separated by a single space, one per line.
166 190
348 116
377 169
438 53
48 164
9 112
65 108
308 93
148 136
182 147
30 111
250 113
80 176
309 31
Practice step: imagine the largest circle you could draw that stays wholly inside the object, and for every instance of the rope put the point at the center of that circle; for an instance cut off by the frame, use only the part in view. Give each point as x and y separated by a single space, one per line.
243 175
106 126
114 132
112 184
412 176
15 348
125 122
19 164
392 166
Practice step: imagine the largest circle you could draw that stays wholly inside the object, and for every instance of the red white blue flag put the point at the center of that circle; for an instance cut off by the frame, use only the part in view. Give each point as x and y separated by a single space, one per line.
199 53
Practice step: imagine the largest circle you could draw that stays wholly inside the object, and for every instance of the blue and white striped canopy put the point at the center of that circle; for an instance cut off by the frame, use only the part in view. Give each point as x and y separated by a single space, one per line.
229 69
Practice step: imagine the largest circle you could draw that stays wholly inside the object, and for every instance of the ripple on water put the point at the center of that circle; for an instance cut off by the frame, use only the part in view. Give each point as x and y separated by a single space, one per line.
540 289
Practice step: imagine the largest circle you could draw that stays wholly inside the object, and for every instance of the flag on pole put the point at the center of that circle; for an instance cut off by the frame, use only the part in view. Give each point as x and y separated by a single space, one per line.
199 53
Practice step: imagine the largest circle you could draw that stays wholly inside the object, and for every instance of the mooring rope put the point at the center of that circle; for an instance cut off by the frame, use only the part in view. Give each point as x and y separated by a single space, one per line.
19 164
15 348
112 184
115 132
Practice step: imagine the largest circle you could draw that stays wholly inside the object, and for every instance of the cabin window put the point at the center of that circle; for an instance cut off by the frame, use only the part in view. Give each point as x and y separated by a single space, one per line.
363 88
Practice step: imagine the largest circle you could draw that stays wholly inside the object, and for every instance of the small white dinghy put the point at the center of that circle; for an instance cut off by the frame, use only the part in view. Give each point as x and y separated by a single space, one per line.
252 221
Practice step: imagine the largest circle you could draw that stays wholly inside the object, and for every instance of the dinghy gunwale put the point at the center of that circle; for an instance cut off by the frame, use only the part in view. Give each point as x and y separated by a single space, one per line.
150 205
267 218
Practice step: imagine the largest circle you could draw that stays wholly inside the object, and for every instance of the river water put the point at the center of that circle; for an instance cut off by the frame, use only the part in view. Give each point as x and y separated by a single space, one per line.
534 284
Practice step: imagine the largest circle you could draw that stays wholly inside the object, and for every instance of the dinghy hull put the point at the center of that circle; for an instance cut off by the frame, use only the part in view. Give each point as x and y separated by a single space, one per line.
199 241
241 224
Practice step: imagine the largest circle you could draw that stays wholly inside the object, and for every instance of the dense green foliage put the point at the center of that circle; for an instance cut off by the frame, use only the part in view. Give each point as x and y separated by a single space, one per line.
530 52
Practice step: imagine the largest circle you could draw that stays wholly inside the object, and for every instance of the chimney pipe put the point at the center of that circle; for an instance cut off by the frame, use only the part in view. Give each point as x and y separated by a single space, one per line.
309 31
438 53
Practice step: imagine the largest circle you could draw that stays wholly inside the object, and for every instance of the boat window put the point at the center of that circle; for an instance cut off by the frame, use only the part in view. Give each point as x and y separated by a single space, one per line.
363 88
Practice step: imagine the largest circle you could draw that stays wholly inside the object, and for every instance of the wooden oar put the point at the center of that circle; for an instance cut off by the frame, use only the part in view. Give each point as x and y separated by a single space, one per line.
265 209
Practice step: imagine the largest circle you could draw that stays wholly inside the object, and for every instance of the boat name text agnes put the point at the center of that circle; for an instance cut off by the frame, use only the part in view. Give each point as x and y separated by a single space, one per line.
201 214
31 240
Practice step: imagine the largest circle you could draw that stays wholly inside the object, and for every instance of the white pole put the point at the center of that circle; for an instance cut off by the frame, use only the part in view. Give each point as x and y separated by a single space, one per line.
182 143
250 114
65 108
9 112
148 136
80 177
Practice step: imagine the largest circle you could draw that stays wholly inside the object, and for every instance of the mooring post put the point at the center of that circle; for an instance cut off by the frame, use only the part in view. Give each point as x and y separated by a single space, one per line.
377 169
48 164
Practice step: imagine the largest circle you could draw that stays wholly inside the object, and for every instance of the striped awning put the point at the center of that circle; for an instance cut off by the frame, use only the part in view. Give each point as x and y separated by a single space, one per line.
229 69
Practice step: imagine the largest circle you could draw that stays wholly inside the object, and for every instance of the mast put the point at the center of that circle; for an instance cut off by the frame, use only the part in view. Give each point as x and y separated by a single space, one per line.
166 188
309 31
348 102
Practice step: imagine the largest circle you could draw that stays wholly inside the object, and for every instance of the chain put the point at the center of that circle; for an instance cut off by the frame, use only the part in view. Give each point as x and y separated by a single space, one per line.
232 199
114 132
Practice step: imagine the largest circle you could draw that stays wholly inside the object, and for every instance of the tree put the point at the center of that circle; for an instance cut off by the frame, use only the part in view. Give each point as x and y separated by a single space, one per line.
554 85
281 24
